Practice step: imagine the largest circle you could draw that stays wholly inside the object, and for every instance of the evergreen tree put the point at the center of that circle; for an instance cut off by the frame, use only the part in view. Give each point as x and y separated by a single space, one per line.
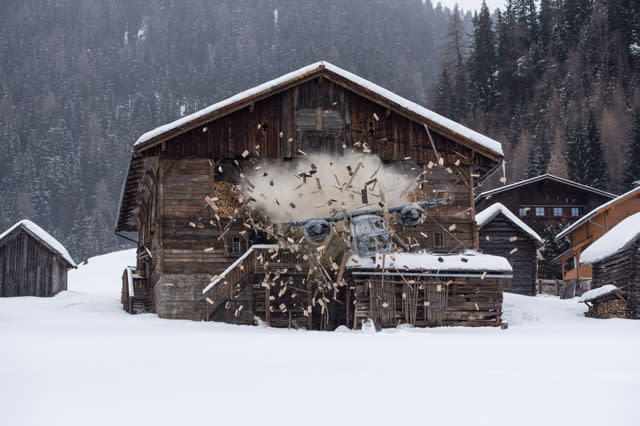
632 163
453 62
541 153
442 99
482 60
584 154
545 21
507 82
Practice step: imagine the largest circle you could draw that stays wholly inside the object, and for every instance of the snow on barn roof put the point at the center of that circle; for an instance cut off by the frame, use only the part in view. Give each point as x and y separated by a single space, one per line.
619 237
488 214
592 213
469 261
543 177
272 86
43 236
597 292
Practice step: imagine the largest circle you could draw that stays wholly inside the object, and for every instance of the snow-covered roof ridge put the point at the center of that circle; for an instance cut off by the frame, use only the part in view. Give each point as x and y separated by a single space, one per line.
615 240
595 211
470 260
488 214
486 142
44 237
597 292
541 177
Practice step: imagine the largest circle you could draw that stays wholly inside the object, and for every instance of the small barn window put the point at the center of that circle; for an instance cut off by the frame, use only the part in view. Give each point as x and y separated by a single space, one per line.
557 211
437 239
575 211
539 211
234 246
523 212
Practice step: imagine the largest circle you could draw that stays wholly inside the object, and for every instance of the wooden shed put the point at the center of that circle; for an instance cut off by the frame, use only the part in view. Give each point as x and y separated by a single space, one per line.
503 234
32 262
428 289
205 252
615 262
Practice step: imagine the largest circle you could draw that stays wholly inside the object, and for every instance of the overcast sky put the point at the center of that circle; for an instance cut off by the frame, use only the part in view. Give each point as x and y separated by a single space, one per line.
470 4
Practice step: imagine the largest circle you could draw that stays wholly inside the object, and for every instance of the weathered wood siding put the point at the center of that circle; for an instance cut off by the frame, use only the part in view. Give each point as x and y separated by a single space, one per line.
27 268
428 302
622 270
495 238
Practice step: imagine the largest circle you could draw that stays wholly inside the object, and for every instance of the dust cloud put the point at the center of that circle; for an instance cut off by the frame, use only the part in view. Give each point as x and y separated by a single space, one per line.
320 184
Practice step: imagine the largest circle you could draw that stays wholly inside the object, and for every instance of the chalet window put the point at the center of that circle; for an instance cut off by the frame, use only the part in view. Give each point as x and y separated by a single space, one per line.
523 212
557 211
575 212
539 211
234 246
437 239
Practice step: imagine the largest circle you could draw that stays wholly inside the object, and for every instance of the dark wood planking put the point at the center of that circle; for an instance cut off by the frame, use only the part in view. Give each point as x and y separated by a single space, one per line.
28 268
524 261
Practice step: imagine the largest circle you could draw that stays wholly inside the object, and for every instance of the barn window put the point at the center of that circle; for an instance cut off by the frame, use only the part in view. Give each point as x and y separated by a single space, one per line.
234 246
539 211
437 239
523 212
557 211
575 212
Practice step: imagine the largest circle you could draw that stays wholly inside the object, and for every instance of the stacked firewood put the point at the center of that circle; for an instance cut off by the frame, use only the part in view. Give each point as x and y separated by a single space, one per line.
226 199
612 308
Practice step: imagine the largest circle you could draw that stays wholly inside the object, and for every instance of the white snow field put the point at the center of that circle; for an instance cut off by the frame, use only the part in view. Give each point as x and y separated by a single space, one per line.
78 359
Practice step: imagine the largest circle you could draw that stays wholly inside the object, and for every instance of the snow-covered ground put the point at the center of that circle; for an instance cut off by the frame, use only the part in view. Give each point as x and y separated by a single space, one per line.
78 359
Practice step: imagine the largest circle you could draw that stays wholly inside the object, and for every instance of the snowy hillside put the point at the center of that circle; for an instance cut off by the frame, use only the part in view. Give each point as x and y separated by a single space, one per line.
78 359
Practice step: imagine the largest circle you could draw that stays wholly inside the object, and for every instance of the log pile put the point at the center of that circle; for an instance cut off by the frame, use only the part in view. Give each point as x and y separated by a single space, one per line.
607 307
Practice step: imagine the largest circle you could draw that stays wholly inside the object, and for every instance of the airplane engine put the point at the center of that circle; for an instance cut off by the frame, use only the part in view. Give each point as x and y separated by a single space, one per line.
317 229
410 215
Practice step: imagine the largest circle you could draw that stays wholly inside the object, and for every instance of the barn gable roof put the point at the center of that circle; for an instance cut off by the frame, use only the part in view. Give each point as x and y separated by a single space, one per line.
339 76
43 236
629 194
481 145
488 214
541 178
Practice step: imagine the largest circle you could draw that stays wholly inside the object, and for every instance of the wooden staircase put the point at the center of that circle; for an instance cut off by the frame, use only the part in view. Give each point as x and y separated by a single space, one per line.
258 262
136 297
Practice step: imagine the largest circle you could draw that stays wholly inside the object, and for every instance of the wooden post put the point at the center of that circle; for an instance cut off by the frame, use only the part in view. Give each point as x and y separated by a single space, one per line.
160 218
474 228
267 305
348 305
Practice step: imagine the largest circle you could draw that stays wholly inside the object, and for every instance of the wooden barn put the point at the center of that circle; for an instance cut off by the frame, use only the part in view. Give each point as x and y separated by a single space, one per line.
589 228
32 262
545 198
503 234
615 262
206 250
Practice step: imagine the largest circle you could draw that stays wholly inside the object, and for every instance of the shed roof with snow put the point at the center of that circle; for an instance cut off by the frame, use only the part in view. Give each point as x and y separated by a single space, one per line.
616 240
469 261
490 213
32 262
42 236
608 205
